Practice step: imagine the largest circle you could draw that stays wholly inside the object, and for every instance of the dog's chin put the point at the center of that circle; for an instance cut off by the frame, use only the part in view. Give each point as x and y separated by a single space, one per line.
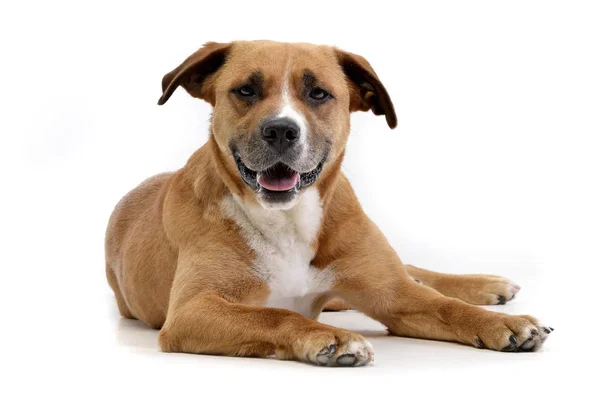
279 186
277 201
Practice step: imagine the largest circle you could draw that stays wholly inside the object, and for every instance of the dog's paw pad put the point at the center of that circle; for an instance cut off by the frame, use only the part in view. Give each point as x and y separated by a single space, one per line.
345 360
518 334
356 353
346 349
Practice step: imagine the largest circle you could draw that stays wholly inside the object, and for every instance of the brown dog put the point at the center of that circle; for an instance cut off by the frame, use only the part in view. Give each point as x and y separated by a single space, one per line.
238 252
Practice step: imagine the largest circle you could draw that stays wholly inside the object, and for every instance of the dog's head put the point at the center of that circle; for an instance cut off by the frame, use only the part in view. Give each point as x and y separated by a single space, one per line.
281 110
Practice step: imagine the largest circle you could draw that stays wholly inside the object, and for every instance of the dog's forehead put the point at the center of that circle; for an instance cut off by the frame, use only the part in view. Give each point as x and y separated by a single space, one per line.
275 59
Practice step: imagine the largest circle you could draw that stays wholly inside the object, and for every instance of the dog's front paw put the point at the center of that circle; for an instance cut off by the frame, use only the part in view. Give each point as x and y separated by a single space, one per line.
339 349
512 333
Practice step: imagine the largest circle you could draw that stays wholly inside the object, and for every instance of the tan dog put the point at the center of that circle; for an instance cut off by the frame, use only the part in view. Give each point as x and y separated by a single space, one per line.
238 252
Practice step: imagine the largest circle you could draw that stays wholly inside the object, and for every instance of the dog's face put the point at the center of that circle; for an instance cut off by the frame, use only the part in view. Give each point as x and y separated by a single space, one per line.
281 110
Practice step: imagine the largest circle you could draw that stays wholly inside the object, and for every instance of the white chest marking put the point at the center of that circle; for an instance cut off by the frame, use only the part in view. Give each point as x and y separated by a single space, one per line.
282 242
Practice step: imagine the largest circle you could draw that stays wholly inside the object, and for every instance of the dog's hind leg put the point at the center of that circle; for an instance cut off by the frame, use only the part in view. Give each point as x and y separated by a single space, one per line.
473 289
114 284
337 304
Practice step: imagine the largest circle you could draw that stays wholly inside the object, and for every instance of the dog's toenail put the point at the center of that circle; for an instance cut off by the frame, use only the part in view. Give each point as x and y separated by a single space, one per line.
327 350
547 330
479 343
509 348
501 300
513 340
551 328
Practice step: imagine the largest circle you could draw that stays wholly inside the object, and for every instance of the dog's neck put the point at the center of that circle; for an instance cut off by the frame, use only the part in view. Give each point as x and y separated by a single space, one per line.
302 220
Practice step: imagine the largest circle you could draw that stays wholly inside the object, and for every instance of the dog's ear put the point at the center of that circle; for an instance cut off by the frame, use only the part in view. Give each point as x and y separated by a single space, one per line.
192 74
366 90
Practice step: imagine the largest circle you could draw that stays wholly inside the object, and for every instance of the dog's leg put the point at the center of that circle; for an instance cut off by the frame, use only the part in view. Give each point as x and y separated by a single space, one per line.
209 324
413 310
372 279
474 289
114 284
205 317
337 304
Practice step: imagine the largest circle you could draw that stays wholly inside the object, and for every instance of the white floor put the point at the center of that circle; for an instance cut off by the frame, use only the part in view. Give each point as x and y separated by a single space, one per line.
491 170
96 353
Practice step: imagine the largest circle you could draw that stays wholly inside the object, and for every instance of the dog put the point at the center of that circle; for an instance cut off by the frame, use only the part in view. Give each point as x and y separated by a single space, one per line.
238 252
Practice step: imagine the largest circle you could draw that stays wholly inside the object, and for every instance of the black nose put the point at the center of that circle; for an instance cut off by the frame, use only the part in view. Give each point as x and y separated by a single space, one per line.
281 133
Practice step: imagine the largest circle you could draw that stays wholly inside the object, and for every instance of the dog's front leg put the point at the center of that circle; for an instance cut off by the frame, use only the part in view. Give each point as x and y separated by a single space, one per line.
372 279
209 313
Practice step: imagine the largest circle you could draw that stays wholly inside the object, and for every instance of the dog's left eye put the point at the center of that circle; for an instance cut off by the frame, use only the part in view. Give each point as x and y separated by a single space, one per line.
246 91
318 94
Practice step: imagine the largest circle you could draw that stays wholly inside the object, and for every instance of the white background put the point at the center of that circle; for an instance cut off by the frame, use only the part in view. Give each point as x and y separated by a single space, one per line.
493 168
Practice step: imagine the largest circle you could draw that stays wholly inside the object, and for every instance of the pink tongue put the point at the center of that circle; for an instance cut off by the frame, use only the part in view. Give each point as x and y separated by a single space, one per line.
278 184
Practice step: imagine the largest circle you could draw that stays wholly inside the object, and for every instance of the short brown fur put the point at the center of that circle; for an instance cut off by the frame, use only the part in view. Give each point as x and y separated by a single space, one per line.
175 262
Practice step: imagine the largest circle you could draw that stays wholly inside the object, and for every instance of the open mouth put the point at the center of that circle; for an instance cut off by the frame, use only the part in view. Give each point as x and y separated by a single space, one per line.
278 178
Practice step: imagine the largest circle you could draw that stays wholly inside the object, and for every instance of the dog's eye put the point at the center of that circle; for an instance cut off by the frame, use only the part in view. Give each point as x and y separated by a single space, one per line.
246 91
318 94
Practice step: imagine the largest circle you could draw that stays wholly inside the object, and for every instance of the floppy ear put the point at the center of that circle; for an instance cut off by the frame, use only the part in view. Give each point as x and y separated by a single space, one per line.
366 90
194 71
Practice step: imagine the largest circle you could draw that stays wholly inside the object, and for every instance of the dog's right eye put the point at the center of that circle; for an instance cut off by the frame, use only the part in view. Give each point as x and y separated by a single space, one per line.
246 91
